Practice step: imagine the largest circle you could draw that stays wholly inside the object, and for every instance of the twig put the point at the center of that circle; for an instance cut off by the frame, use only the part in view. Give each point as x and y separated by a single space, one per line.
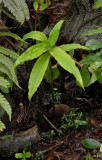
50 123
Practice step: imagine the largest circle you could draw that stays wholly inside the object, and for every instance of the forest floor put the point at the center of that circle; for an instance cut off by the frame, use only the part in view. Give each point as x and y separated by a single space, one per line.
50 145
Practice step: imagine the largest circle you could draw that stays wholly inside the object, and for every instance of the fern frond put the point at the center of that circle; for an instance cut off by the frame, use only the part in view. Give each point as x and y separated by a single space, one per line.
8 63
5 105
4 82
2 126
9 52
5 70
11 35
18 8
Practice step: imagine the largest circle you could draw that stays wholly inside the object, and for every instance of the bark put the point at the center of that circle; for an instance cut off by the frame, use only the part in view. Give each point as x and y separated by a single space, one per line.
83 18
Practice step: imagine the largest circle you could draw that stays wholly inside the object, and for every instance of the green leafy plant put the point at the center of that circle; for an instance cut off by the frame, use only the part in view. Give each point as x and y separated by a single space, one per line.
92 144
43 4
45 50
7 77
92 157
18 9
57 96
40 155
72 120
23 155
91 70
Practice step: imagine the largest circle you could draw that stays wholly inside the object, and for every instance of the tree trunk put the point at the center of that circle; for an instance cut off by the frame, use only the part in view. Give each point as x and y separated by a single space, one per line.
83 18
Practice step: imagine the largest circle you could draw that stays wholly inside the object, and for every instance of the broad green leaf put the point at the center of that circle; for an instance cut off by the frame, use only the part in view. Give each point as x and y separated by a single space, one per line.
97 4
43 4
91 143
85 75
55 73
93 44
98 74
11 35
37 73
9 52
32 52
66 62
94 31
2 126
53 36
5 105
68 47
37 35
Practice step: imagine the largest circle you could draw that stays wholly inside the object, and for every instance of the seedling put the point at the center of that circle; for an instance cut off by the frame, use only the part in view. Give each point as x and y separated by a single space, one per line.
72 120
23 156
44 51
40 155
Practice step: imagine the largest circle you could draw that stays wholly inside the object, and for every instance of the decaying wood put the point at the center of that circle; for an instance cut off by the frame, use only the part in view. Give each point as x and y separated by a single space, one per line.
11 144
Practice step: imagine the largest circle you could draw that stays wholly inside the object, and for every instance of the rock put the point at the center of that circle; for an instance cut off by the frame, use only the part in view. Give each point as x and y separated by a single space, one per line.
60 109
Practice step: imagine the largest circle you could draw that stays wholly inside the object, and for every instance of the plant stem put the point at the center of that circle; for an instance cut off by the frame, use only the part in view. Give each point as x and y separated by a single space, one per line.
52 93
36 16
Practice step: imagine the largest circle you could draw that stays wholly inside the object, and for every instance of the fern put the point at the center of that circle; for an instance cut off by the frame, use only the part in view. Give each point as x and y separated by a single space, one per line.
94 31
18 8
5 70
8 63
5 105
9 52
2 126
4 82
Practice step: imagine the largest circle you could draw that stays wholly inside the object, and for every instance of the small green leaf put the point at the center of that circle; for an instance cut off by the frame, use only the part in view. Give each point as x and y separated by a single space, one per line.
93 44
2 126
91 143
66 62
97 4
18 155
32 52
68 47
43 4
27 154
53 36
37 73
55 73
98 74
